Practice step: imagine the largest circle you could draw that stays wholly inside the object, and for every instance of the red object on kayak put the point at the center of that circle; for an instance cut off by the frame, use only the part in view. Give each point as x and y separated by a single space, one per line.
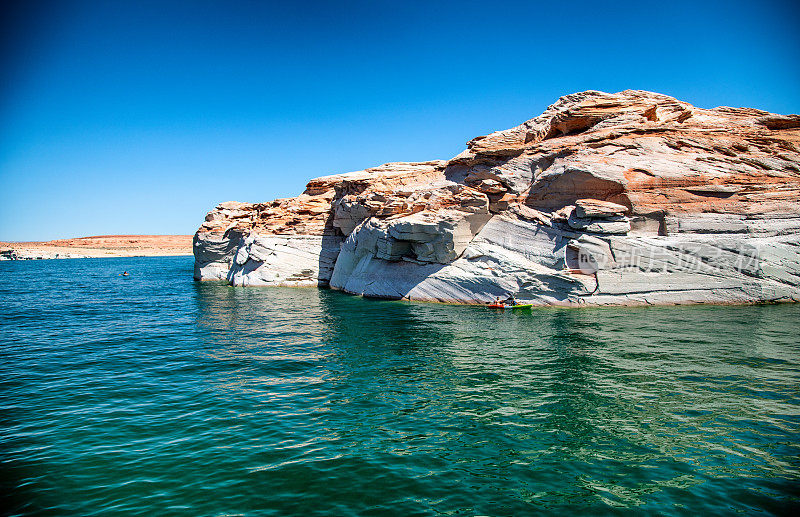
496 306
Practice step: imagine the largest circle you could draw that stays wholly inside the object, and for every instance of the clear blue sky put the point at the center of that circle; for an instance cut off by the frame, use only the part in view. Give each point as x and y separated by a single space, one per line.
139 117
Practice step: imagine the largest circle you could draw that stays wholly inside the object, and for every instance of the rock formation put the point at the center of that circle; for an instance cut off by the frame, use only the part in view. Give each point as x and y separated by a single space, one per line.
626 198
99 246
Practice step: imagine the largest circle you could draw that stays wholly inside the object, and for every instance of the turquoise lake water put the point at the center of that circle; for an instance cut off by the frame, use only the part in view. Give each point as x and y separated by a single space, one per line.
156 395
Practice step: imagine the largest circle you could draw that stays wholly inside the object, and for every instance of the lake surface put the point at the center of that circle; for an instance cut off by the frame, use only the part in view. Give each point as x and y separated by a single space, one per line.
155 395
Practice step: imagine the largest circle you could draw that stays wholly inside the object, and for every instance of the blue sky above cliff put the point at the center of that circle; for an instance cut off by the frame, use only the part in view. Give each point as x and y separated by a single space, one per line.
139 118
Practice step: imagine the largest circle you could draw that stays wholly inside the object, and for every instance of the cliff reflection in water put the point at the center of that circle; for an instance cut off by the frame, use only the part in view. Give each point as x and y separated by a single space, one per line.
153 392
265 336
568 408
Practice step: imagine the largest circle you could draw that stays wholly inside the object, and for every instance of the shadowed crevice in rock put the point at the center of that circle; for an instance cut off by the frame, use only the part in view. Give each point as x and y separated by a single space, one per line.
563 186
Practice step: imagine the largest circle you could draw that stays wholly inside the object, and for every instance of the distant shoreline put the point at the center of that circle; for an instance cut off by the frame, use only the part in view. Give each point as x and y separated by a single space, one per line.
99 246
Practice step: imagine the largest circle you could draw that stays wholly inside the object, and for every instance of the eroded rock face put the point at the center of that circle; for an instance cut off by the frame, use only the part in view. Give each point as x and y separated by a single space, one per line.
288 260
632 197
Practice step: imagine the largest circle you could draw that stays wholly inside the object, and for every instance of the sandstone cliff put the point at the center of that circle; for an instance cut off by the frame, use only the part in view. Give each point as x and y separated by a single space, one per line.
626 198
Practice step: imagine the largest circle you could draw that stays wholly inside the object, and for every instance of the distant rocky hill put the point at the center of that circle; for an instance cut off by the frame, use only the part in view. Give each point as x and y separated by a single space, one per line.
625 198
99 246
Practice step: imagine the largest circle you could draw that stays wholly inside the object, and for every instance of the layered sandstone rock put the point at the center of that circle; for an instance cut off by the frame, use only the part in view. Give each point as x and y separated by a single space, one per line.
623 198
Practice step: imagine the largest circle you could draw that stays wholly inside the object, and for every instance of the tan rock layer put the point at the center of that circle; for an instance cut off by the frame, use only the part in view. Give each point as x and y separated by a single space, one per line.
101 246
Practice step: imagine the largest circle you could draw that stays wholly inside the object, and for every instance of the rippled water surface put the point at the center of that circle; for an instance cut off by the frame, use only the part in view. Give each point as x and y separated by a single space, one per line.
152 394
